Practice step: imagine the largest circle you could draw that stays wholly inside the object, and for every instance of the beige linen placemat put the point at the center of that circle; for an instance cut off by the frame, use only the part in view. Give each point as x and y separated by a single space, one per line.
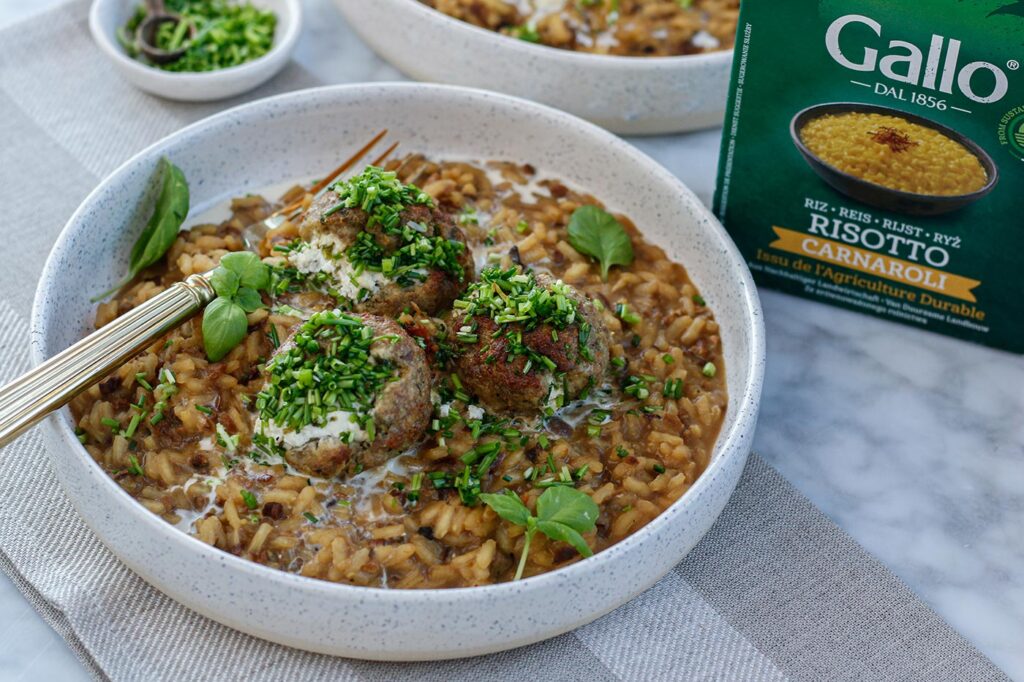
774 592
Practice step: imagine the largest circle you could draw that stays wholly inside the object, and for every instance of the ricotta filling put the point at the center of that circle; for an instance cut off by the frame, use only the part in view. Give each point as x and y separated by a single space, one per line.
341 425
325 253
556 396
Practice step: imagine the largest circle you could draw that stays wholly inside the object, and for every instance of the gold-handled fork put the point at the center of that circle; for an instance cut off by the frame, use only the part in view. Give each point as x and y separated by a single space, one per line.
52 384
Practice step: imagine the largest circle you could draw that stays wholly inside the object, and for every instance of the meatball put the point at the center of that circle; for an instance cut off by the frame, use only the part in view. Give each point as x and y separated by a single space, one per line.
400 411
501 379
433 290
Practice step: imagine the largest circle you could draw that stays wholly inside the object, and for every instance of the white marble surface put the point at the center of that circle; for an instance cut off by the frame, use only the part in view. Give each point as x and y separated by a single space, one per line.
912 442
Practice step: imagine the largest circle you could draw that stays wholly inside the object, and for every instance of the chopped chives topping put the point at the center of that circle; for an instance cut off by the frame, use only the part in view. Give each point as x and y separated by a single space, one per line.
673 389
310 517
134 468
668 359
709 370
204 409
636 386
512 295
141 379
250 500
627 315
414 487
383 197
621 452
133 425
111 423
618 362
328 368
698 299
660 468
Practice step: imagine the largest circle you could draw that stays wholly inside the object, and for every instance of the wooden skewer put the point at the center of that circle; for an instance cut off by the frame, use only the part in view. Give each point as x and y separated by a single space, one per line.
287 210
348 164
383 157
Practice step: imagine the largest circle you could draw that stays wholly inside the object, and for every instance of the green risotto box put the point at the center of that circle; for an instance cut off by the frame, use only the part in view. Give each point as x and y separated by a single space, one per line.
873 158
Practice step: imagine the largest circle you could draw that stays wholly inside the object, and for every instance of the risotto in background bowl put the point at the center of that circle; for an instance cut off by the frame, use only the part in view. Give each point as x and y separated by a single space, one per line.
293 573
680 85
892 159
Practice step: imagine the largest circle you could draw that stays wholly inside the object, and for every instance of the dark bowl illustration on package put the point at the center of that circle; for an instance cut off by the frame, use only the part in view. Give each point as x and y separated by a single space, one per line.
891 159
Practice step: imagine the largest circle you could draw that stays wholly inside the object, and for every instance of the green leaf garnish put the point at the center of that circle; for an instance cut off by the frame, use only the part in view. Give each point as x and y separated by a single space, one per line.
508 506
224 327
251 271
596 233
224 282
236 280
563 514
249 299
162 229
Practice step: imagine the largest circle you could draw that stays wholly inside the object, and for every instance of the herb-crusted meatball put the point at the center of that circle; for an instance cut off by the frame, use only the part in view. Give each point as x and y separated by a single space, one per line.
344 393
526 343
384 246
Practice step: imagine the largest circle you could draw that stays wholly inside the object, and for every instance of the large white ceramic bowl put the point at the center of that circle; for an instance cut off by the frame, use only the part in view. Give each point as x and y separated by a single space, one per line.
105 16
627 95
297 136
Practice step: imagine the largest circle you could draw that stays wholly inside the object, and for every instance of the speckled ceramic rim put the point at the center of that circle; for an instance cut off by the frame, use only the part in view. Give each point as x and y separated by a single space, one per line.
745 402
109 45
584 59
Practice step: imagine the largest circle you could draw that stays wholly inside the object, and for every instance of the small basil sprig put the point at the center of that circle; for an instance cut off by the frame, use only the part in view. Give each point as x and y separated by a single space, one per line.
163 226
596 233
562 514
237 280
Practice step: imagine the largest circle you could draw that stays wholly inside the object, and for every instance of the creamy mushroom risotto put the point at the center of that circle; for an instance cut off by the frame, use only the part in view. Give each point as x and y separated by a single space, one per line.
440 374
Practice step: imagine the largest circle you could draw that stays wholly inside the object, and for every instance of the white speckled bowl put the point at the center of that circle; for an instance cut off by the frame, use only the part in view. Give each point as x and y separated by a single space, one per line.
627 95
295 136
105 16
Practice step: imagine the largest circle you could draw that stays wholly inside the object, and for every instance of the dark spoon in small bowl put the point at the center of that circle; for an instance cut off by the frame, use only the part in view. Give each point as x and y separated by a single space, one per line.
145 35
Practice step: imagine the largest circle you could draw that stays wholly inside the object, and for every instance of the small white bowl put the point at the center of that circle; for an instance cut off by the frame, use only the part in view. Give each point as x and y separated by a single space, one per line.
627 95
279 139
105 16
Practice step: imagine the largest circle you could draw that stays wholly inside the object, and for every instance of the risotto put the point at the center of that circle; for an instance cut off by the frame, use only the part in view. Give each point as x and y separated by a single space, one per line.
634 28
895 153
512 379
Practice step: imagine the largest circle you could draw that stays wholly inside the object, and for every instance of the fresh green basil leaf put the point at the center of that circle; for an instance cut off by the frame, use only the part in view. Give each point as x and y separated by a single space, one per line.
251 271
249 299
224 282
569 507
162 229
596 233
224 327
560 531
508 506
168 215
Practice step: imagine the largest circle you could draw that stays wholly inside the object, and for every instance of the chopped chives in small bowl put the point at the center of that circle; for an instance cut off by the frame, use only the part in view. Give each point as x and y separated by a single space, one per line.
227 34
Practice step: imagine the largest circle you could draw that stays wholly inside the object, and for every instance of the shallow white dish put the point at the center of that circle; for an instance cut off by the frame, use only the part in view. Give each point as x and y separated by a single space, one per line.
293 136
627 95
105 16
